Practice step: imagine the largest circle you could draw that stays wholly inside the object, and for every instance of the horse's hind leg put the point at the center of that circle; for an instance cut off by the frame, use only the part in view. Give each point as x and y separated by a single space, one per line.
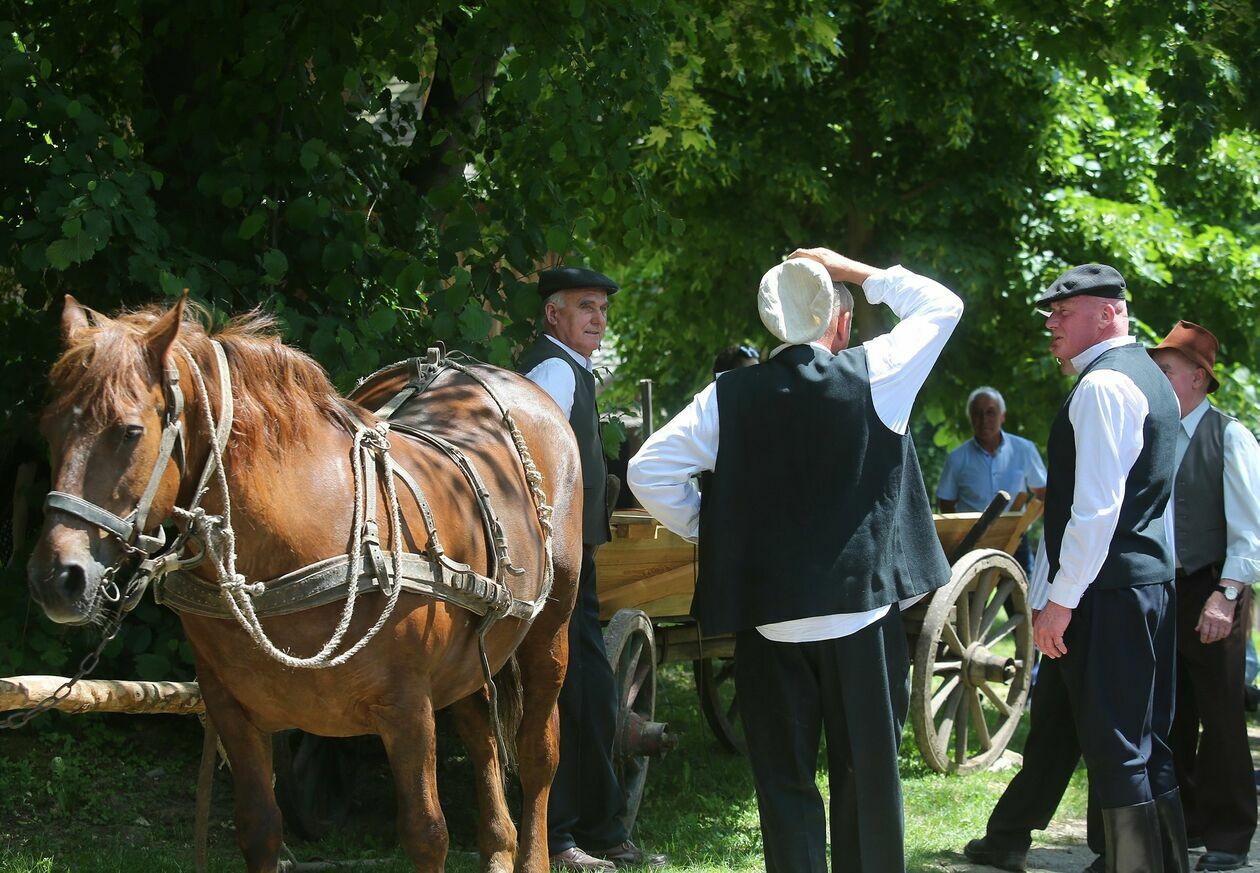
410 739
496 835
259 830
543 656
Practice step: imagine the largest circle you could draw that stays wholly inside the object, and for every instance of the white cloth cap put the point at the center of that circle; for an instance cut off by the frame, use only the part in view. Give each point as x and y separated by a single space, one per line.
797 301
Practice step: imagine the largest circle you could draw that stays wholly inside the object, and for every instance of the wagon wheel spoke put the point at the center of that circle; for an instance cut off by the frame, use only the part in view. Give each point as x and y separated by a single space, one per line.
982 594
940 668
944 695
941 740
990 612
963 625
727 671
1004 630
632 671
960 733
977 716
950 637
996 699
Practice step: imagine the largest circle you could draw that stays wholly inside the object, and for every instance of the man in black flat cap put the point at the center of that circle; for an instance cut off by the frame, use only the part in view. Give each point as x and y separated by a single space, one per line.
585 830
1102 595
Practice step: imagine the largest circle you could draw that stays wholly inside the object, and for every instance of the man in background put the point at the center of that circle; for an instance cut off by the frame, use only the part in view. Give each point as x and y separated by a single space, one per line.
585 830
992 461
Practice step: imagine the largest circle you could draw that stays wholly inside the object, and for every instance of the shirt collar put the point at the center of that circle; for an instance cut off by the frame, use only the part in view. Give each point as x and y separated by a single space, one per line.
818 346
1190 422
577 356
1001 445
1091 354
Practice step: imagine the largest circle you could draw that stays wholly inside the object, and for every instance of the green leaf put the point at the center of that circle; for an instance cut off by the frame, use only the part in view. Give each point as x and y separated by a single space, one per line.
120 148
312 149
275 264
382 319
232 197
558 151
577 8
251 225
74 108
557 239
71 227
106 195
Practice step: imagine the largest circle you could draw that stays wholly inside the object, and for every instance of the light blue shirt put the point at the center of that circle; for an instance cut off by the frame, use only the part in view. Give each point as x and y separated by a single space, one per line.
972 476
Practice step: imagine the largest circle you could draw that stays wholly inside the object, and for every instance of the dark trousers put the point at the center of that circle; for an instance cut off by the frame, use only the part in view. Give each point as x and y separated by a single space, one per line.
856 689
1213 768
586 802
1110 698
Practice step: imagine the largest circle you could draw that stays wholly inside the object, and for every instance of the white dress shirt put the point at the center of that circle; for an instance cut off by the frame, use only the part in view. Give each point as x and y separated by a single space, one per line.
1107 412
898 364
1242 494
556 377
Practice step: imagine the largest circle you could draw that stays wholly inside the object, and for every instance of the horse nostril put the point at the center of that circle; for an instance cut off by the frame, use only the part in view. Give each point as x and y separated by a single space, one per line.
71 581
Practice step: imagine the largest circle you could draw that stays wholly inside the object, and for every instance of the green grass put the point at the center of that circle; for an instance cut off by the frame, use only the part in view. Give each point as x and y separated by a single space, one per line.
92 794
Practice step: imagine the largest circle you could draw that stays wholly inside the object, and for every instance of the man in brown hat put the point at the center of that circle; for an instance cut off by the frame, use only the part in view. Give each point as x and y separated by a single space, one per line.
1216 515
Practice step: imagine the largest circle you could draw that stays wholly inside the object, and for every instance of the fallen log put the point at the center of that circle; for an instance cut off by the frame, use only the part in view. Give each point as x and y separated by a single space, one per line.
103 695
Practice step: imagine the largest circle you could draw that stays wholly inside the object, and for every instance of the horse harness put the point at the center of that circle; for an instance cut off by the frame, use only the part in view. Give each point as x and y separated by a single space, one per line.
364 569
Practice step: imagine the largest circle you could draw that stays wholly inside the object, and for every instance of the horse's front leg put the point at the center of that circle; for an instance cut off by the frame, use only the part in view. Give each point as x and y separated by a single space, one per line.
410 740
496 835
259 829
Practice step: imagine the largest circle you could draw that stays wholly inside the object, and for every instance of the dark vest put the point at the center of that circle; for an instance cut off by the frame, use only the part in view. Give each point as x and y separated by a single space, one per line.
814 506
584 419
1139 552
1199 496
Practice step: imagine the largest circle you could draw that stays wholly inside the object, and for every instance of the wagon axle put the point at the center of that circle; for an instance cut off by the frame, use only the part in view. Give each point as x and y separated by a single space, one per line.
981 666
639 736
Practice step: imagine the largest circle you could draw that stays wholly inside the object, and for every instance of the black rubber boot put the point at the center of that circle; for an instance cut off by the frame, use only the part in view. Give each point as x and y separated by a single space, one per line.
1172 832
1133 842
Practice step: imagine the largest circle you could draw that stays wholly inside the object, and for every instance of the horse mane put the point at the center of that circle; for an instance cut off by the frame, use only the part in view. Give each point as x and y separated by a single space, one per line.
279 393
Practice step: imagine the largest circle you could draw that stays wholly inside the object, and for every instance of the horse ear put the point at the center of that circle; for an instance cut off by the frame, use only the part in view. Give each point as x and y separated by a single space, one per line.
74 318
161 336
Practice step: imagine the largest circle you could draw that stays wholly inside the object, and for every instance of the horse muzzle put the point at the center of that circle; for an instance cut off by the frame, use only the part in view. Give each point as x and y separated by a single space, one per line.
68 591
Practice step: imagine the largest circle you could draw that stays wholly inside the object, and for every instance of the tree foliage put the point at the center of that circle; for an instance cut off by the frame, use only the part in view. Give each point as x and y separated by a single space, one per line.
385 174
989 145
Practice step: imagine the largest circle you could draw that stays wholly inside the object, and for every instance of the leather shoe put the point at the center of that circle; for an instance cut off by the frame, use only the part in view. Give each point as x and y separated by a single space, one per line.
627 854
980 852
1214 860
574 858
1098 865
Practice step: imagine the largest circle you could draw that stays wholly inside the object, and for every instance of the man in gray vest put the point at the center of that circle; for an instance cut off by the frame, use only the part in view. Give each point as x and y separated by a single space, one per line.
814 532
1216 512
585 831
1102 589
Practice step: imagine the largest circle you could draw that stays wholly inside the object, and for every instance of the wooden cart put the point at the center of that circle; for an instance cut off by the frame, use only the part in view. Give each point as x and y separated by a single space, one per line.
971 640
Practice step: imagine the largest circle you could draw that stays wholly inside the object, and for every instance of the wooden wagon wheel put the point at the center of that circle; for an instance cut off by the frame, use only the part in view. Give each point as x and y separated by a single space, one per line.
632 653
315 778
715 686
972 664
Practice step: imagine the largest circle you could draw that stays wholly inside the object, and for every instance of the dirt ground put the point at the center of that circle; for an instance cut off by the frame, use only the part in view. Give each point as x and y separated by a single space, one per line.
1062 849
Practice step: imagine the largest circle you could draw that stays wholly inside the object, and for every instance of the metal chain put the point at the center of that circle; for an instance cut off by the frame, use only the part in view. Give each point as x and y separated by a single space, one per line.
112 625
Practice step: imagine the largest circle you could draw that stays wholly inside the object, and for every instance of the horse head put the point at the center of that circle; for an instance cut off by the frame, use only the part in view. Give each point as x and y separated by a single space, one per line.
110 424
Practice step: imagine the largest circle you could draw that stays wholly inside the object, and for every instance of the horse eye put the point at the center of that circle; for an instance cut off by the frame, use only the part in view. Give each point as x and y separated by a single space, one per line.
132 432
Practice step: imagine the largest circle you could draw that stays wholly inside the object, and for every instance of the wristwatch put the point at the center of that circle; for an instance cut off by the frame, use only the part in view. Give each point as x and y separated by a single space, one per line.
1231 593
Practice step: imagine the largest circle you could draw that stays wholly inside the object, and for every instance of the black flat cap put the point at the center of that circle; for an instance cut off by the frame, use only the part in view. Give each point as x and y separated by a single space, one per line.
1096 280
568 278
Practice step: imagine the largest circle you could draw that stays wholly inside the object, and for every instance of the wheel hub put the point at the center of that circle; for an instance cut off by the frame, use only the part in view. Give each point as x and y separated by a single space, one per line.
980 666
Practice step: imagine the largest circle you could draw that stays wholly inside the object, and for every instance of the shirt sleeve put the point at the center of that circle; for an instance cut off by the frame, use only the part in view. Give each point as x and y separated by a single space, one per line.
1242 505
1107 412
660 472
1034 468
556 378
948 487
1039 584
899 361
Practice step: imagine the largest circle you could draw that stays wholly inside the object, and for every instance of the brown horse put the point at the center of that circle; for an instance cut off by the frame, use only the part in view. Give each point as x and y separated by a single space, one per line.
291 483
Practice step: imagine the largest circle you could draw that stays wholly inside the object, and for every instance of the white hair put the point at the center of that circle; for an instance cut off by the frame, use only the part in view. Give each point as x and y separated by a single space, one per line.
556 297
987 391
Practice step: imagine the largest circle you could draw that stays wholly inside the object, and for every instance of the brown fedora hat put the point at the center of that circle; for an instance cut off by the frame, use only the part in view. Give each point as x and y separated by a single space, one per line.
1196 343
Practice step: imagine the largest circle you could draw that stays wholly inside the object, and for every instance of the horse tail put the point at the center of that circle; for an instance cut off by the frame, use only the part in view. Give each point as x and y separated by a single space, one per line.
511 707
